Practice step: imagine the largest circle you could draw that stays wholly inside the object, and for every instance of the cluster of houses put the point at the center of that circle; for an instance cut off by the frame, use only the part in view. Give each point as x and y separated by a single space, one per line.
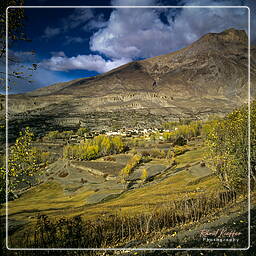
136 132
147 133
125 132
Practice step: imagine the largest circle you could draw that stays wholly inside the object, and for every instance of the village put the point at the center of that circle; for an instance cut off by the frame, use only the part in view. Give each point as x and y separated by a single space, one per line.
124 132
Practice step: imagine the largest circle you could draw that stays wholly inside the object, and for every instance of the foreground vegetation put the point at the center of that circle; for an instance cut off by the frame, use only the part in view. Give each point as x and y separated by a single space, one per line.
117 230
175 196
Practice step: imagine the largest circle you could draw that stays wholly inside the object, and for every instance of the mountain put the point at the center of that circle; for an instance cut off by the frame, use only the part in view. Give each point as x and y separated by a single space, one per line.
208 77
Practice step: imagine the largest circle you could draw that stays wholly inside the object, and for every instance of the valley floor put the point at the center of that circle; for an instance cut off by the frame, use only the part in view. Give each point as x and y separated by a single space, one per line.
93 191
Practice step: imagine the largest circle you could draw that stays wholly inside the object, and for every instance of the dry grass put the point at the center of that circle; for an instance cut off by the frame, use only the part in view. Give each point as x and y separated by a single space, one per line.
116 229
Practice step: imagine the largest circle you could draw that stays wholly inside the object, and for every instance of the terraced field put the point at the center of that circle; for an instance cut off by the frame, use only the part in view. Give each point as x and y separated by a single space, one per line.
73 188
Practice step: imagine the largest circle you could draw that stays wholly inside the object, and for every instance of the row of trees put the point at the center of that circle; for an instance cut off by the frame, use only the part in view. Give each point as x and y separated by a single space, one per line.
52 135
130 166
187 131
173 124
101 145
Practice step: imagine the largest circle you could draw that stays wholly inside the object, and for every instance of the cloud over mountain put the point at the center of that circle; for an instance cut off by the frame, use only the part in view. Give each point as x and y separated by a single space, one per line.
129 34
83 62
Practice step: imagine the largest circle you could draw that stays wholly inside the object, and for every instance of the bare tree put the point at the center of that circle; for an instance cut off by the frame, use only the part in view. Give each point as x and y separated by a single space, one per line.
16 17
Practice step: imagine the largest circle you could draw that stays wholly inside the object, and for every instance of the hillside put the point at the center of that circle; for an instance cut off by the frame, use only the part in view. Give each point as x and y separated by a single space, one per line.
142 181
208 77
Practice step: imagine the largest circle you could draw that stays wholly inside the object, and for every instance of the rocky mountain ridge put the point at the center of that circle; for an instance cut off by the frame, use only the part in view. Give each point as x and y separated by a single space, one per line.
208 77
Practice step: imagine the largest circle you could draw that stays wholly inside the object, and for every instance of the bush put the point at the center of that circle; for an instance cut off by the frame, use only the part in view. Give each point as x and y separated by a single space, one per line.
179 150
113 230
65 134
52 135
144 174
145 153
157 153
170 125
130 166
109 158
180 141
24 162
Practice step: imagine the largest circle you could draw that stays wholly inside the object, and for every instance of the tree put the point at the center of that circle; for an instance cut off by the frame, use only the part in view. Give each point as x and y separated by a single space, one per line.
227 140
118 144
23 163
144 174
15 33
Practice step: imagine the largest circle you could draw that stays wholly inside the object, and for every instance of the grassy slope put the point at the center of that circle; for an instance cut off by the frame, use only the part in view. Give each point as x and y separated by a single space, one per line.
50 199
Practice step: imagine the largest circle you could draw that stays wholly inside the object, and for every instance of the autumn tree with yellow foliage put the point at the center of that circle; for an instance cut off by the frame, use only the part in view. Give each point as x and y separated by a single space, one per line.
228 143
23 163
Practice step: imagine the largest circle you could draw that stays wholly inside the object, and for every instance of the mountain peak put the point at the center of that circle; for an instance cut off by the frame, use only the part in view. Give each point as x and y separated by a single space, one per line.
228 35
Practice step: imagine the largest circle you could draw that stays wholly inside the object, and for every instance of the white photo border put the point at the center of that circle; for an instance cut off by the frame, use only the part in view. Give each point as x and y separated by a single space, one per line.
133 249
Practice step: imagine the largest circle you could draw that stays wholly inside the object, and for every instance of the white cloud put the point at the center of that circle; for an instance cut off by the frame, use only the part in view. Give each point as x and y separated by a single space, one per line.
192 23
96 23
75 39
79 17
57 54
51 32
140 33
83 62
132 33
136 33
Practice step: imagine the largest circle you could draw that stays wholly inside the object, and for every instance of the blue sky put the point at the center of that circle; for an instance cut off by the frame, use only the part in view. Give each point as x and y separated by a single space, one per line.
73 43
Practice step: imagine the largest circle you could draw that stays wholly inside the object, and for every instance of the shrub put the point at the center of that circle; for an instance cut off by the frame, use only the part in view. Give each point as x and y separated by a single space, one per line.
144 174
65 134
187 131
180 141
81 131
130 166
24 162
145 153
169 154
157 153
109 158
52 135
179 150
113 230
170 125
169 136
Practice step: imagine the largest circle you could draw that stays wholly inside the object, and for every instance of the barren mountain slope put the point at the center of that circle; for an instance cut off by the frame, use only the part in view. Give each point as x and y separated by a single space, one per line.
208 77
